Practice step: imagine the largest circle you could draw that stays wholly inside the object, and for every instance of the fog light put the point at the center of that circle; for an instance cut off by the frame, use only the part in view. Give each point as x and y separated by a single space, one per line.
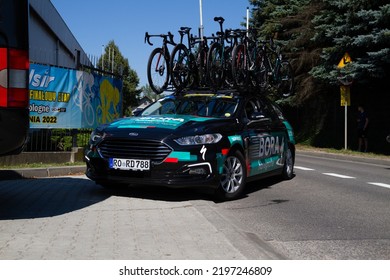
197 171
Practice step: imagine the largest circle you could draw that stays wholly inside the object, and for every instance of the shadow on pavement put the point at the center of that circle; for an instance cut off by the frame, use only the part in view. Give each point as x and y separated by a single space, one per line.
261 184
46 197
38 198
9 175
187 194
162 193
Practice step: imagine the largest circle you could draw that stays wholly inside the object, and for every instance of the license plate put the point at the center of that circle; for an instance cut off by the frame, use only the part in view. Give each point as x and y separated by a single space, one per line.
130 164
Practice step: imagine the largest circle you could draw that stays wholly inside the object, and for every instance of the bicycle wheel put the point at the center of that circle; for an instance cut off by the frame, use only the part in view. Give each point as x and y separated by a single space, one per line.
180 66
239 68
285 79
259 72
215 65
229 82
158 71
201 65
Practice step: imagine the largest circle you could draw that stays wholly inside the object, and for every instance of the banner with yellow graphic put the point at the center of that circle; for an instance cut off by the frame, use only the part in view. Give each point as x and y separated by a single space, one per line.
67 98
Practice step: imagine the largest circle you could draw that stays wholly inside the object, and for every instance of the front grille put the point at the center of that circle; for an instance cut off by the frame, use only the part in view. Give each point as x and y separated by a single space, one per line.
134 149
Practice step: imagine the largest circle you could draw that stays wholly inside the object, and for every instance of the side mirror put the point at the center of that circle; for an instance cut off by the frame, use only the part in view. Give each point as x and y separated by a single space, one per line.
259 118
256 116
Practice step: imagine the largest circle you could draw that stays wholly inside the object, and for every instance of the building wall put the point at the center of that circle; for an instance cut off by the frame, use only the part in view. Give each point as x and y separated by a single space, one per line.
51 41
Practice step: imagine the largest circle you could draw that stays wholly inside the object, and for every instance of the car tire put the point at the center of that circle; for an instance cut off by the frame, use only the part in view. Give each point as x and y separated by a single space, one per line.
233 177
288 167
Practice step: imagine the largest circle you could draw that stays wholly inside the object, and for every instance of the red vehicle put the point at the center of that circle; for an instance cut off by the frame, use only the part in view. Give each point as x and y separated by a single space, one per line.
14 67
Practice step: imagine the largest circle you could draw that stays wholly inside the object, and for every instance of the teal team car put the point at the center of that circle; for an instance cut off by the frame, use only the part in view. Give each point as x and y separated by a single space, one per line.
219 140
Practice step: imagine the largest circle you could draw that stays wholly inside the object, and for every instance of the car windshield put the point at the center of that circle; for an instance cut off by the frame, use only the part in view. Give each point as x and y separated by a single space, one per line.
203 106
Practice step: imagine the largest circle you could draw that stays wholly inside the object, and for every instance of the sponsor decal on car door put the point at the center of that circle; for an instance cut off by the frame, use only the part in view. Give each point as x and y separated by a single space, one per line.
265 152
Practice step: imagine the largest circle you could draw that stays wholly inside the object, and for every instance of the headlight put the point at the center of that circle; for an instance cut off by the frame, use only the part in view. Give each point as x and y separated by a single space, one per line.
199 139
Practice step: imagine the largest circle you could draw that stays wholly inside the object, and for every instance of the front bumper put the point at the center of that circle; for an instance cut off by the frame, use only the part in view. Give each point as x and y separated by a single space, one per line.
175 175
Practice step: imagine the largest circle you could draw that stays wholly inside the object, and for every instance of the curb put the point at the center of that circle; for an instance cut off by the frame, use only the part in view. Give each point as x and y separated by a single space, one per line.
42 172
362 159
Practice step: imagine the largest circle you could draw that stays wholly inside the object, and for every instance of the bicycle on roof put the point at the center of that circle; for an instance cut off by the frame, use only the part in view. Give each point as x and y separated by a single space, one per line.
183 62
218 58
158 68
246 60
235 59
276 73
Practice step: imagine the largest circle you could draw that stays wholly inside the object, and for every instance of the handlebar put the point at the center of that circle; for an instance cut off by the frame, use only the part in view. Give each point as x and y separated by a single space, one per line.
168 38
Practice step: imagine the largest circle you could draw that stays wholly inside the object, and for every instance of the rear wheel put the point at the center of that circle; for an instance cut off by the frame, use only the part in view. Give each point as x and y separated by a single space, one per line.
233 177
158 71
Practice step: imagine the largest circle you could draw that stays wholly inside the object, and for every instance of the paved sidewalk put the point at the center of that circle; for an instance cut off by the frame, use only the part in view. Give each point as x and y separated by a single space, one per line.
72 218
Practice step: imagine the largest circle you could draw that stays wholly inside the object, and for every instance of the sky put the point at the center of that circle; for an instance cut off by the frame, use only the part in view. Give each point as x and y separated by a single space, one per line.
96 22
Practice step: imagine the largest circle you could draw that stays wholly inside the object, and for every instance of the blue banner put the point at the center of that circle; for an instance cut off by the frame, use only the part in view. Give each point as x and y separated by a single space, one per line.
66 98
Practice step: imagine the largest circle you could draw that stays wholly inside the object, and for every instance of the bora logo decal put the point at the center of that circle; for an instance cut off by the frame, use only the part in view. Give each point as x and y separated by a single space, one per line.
270 146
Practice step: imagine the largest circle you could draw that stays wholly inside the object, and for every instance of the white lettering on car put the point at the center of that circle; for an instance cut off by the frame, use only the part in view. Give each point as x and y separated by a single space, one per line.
270 145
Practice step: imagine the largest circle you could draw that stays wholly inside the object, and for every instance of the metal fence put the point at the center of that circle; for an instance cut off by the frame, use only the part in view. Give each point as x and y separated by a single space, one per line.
50 140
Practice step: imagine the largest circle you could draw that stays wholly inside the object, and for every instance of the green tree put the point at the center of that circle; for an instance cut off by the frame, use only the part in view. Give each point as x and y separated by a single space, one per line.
359 27
148 92
112 61
315 35
289 23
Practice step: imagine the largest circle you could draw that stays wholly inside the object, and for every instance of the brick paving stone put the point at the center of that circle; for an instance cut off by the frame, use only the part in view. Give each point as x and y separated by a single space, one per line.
72 218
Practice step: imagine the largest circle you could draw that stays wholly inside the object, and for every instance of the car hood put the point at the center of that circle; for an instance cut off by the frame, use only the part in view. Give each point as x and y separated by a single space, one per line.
157 127
170 122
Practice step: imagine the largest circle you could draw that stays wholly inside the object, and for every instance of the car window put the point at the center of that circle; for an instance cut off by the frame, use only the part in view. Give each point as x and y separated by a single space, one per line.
278 111
267 110
160 107
224 108
207 107
252 106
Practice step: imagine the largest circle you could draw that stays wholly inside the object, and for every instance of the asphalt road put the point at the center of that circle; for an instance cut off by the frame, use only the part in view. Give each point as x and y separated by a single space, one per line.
331 209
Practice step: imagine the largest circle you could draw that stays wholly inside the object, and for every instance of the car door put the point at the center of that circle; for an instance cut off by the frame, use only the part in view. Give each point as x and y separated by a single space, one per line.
277 140
265 138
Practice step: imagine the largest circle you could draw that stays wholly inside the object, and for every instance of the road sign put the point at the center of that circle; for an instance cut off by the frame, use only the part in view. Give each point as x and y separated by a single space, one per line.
344 61
345 95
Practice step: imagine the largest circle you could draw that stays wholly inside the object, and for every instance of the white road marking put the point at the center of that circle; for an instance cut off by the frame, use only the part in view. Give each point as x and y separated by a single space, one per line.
339 175
379 185
303 168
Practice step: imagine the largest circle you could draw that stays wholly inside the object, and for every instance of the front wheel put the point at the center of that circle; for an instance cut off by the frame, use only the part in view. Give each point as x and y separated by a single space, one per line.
233 177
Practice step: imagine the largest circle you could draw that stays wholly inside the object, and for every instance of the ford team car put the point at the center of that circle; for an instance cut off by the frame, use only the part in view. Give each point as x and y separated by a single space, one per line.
219 140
